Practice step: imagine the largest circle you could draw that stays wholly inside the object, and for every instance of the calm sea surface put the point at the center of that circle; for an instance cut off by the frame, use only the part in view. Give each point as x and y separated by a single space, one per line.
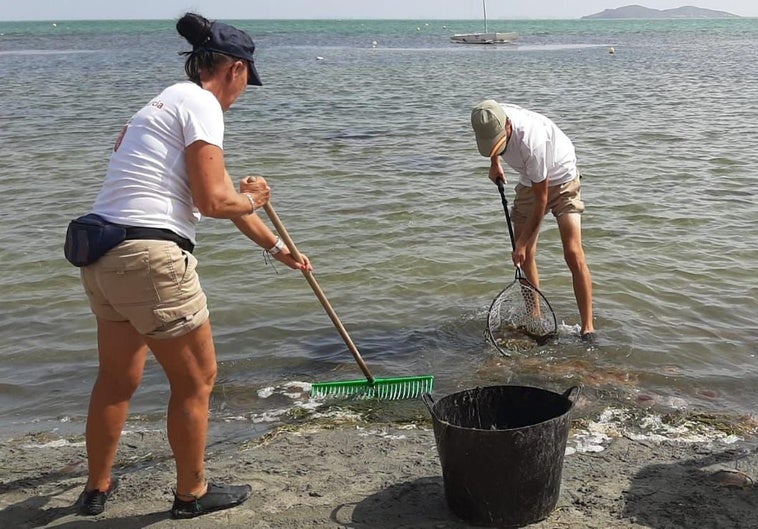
362 130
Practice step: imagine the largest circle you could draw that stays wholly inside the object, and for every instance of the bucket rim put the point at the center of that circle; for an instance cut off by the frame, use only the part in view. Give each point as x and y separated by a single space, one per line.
566 395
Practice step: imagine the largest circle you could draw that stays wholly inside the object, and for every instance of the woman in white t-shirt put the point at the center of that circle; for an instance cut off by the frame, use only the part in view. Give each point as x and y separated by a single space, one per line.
166 171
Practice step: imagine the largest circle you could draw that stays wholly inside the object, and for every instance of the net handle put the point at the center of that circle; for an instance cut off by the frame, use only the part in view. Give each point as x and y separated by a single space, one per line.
507 215
501 188
317 290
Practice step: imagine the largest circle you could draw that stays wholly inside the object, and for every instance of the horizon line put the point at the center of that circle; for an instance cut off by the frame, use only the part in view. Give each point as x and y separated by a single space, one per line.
280 18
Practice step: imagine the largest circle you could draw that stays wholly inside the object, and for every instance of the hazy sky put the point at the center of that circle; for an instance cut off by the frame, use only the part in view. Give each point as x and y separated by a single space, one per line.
293 9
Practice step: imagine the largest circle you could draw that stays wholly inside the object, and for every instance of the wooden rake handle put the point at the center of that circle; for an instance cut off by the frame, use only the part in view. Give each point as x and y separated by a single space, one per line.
317 290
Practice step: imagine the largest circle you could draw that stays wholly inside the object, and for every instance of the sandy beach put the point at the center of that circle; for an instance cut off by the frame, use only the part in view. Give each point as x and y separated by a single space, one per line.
356 474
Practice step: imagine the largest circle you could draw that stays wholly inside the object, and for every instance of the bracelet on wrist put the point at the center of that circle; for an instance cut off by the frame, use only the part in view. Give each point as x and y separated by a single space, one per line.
277 247
252 203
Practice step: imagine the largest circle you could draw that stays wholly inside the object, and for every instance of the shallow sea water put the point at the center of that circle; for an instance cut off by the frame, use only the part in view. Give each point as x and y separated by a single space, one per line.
375 174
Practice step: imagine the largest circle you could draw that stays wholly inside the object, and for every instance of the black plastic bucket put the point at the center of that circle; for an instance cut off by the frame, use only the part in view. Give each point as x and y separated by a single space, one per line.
501 450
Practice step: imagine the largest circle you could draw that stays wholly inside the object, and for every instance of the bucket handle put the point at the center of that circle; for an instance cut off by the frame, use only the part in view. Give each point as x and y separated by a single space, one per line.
572 394
428 400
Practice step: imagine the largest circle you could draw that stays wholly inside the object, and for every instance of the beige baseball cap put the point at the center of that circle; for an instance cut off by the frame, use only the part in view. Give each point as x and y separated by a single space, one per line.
488 120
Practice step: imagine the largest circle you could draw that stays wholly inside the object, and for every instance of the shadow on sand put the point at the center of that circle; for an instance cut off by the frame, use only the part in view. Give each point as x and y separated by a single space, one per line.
696 493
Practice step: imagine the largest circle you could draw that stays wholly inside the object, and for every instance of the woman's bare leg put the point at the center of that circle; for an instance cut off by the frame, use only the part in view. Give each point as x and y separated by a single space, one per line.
122 353
189 362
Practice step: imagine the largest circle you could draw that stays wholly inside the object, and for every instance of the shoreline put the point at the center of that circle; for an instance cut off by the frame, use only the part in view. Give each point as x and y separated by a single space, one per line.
332 472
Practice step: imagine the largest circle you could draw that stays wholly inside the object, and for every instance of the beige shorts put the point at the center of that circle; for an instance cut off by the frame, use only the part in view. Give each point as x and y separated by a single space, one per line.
561 199
151 284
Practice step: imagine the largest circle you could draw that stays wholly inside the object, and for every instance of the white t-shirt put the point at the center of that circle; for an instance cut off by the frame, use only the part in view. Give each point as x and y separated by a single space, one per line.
538 149
146 183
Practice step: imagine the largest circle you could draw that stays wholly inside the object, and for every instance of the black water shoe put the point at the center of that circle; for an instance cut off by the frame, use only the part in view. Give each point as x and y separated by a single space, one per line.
589 338
92 502
217 498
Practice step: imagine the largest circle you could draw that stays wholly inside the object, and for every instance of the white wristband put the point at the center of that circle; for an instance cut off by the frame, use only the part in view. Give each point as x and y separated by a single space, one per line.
276 248
252 203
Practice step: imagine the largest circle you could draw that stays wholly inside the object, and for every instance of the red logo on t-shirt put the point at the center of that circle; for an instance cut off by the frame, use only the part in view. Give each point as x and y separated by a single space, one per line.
120 137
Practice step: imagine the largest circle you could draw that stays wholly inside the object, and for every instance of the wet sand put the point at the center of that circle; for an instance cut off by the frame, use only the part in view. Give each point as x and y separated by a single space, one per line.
365 475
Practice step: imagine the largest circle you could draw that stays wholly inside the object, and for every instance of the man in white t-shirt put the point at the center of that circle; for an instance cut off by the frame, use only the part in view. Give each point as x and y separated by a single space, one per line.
548 180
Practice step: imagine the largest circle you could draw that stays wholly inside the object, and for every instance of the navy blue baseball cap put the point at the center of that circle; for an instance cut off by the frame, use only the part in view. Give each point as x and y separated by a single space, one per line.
234 42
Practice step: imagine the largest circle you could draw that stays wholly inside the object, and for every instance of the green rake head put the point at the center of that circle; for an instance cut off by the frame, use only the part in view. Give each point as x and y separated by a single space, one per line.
382 388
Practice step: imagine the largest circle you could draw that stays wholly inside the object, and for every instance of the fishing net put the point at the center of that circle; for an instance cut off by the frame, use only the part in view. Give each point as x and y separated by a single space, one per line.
520 309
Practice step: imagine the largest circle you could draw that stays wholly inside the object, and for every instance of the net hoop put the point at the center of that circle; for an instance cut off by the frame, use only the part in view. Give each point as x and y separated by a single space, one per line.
520 309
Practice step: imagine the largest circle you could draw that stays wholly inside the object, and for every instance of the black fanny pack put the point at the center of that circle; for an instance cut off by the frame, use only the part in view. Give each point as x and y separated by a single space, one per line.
90 237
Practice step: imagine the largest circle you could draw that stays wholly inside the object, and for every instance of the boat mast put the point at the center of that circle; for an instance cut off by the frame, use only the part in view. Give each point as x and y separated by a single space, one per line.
484 9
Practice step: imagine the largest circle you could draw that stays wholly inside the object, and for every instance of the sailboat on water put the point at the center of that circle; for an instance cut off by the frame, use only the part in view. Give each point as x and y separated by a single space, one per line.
484 38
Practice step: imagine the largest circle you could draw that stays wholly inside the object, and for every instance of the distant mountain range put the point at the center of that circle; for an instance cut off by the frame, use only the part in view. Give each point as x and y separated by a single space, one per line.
637 11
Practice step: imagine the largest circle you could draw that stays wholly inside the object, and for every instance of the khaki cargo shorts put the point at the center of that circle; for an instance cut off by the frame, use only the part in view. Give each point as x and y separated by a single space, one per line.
151 284
561 199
